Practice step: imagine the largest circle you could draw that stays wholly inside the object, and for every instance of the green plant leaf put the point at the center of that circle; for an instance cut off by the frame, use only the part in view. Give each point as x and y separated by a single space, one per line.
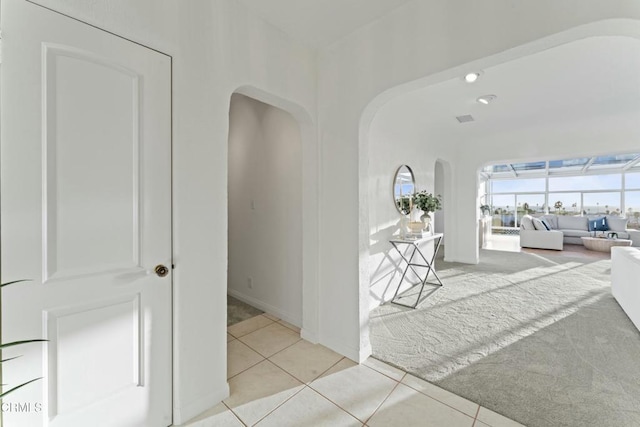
17 387
14 343
11 358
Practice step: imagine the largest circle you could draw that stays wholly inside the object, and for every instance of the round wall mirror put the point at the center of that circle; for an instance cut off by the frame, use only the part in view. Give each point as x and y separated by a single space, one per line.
404 185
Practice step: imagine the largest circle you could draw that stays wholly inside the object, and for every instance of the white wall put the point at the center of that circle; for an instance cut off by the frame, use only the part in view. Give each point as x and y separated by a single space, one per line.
438 188
217 46
265 208
415 45
392 144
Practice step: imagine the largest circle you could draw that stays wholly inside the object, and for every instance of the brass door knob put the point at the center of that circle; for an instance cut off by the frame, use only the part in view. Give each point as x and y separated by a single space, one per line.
161 270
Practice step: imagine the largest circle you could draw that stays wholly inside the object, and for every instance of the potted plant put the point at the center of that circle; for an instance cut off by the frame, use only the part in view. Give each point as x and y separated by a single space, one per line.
427 203
486 210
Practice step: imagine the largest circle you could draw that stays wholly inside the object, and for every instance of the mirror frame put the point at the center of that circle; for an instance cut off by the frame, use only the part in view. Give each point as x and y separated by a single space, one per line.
400 210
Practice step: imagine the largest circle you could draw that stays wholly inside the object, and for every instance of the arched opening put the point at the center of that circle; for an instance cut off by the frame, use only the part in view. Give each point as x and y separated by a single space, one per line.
265 220
271 210
571 126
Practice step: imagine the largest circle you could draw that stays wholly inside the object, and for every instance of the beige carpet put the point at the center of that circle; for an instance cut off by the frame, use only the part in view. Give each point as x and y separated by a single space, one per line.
536 338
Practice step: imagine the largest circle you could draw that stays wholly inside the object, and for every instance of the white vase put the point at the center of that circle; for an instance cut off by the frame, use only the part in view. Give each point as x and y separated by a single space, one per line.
404 227
426 220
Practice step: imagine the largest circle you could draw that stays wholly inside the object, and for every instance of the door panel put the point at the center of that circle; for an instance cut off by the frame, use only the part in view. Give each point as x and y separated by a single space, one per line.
85 200
83 335
86 215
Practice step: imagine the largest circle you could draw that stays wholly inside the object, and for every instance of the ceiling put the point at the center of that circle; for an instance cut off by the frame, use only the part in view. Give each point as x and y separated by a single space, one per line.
580 165
585 81
319 23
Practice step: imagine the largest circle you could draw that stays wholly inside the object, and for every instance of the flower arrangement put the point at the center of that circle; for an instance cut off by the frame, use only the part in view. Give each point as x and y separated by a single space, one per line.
427 202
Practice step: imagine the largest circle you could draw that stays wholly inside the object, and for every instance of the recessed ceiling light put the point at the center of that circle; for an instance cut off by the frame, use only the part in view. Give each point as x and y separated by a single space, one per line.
486 99
471 77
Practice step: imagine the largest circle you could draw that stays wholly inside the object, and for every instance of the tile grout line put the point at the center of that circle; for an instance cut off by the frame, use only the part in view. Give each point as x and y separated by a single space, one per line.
263 358
383 401
338 405
246 369
475 420
404 373
320 393
283 402
260 354
287 399
235 415
444 403
266 357
335 403
262 327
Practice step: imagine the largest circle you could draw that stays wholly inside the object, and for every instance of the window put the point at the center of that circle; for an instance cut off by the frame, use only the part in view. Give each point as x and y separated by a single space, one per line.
601 203
577 186
632 204
571 203
585 182
531 204
504 210
517 185
632 181
529 166
578 163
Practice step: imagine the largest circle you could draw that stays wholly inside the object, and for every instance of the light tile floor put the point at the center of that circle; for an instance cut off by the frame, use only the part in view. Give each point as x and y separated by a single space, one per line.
278 379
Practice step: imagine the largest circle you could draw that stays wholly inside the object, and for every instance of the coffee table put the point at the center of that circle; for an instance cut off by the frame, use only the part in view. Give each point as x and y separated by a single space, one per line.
603 245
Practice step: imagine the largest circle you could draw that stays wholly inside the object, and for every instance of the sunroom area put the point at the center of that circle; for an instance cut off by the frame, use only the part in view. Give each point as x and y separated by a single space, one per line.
590 187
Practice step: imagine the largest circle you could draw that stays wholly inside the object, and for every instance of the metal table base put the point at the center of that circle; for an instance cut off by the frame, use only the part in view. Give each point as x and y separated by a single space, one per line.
428 264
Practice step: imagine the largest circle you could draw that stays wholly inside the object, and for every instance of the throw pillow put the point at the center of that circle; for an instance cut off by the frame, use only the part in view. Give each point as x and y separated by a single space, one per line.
526 223
598 224
551 220
617 223
545 224
539 225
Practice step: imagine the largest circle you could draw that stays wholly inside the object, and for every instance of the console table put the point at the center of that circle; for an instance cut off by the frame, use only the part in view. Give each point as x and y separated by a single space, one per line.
413 249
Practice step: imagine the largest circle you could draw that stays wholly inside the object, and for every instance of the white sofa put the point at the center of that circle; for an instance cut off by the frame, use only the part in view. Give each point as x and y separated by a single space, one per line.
625 287
553 239
572 229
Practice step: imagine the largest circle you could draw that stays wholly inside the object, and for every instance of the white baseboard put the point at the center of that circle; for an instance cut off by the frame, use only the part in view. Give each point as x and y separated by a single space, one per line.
309 336
267 308
185 413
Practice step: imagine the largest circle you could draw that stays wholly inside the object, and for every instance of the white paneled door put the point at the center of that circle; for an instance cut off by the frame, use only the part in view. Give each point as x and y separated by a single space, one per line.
86 215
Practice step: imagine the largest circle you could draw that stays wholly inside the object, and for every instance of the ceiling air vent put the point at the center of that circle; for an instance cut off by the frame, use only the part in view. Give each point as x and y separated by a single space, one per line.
465 119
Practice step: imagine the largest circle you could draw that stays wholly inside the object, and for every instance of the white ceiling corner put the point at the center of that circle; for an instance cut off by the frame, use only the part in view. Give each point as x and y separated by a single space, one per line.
318 23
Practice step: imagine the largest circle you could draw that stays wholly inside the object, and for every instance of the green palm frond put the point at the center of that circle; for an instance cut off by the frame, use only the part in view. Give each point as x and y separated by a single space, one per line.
17 387
15 281
14 343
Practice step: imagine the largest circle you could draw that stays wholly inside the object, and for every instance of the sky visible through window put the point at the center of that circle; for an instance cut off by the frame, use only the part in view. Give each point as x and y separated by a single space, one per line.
587 194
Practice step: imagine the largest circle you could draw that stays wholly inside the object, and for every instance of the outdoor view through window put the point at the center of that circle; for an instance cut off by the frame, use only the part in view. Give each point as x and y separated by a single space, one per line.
606 185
